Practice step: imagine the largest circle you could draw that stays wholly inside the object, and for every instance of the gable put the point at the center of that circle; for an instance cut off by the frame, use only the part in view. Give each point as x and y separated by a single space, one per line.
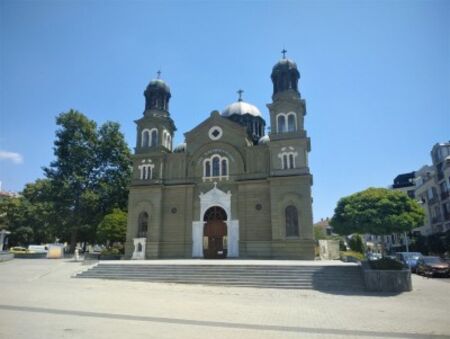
228 132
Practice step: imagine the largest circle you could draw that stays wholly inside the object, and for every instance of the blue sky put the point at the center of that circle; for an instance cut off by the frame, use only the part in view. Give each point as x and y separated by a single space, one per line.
375 76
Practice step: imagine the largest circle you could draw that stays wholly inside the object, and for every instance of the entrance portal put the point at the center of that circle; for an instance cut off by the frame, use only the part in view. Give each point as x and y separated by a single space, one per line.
215 233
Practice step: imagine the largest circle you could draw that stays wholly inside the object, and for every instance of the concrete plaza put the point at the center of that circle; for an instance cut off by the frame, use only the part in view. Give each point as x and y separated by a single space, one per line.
40 299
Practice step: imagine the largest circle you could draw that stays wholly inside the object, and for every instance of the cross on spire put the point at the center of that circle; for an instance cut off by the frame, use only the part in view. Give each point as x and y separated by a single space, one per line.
158 74
284 51
239 92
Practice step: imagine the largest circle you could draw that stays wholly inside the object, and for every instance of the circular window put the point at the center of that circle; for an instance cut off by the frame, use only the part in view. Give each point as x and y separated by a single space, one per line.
258 207
215 133
174 210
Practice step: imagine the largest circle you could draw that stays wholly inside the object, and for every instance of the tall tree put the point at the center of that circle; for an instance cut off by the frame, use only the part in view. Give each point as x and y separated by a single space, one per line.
89 175
377 211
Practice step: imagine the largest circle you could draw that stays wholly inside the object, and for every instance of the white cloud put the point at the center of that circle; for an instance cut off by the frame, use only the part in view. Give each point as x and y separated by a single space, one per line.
14 157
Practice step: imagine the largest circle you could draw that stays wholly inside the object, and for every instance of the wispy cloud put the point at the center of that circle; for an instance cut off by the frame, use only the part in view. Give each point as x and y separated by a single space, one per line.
16 158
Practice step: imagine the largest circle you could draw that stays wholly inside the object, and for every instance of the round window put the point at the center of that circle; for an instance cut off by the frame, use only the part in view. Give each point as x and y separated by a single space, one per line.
215 133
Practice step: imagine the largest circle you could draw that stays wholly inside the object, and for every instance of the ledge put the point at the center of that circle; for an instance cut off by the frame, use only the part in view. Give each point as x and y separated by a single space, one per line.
386 280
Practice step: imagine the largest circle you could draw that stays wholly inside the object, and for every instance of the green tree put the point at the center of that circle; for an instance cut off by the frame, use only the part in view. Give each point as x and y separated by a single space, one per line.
113 227
29 217
89 175
377 211
356 244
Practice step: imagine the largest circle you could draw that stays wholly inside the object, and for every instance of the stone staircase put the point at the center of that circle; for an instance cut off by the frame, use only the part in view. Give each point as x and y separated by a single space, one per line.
326 278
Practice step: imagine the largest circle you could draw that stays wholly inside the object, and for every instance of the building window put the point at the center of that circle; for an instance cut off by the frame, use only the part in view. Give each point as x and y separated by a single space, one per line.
142 225
291 122
154 138
215 167
291 221
145 138
146 171
286 122
167 140
288 157
224 167
281 123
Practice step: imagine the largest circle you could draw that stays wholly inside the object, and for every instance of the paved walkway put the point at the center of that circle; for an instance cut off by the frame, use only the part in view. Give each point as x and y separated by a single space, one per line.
38 299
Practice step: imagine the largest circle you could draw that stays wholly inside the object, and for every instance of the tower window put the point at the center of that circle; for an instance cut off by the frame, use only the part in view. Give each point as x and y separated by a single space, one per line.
286 122
291 122
145 138
154 138
146 171
287 157
281 123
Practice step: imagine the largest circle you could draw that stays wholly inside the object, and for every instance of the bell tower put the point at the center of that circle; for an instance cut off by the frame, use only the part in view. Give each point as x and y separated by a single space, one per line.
155 131
291 180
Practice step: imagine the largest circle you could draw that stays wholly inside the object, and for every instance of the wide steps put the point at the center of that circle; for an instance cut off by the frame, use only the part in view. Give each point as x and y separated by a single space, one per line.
339 278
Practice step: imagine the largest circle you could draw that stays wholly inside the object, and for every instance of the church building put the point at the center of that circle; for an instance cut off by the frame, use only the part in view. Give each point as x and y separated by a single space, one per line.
229 191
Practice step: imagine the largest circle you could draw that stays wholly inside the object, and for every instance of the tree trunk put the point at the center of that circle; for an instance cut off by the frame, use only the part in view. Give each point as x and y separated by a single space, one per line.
73 239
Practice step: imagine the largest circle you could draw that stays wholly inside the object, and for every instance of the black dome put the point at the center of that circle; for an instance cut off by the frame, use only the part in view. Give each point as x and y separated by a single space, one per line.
157 95
158 84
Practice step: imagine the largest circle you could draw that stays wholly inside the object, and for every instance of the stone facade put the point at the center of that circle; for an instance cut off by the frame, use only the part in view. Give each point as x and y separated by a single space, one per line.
228 191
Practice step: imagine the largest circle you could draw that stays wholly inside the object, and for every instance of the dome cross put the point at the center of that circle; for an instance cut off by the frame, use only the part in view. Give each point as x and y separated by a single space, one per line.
158 74
239 92
284 51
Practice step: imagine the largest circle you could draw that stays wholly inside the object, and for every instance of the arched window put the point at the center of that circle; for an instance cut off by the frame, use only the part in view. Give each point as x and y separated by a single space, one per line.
291 221
145 138
154 138
208 168
291 122
146 170
215 167
142 225
224 167
281 123
287 157
285 161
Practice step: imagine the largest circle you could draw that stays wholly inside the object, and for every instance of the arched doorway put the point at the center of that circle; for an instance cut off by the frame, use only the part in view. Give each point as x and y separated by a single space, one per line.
215 233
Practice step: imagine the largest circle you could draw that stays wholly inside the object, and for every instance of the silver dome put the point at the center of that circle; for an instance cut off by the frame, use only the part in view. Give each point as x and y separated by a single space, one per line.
264 140
241 108
180 148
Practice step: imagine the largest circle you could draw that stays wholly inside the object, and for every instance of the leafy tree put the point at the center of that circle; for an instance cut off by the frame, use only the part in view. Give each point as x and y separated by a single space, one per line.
356 243
377 211
89 175
113 227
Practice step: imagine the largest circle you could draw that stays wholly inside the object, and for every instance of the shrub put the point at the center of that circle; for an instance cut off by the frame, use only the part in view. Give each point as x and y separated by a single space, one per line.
386 264
356 255
110 251
356 243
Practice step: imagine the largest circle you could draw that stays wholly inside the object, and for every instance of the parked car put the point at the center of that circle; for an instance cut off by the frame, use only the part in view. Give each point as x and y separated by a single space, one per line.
38 248
433 266
409 259
19 250
373 256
